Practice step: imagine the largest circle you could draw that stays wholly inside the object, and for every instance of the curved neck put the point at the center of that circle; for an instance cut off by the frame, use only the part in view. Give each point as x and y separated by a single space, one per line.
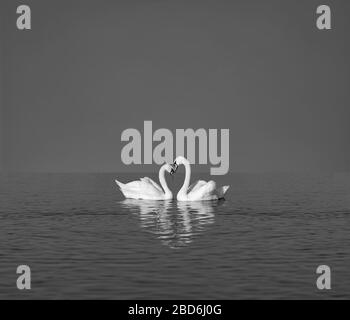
163 181
186 184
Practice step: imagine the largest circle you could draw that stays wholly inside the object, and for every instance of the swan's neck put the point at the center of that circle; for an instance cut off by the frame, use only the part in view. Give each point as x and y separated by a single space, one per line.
163 183
183 190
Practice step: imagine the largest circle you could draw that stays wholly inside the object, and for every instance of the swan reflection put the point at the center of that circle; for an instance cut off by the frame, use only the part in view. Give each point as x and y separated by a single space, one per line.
175 224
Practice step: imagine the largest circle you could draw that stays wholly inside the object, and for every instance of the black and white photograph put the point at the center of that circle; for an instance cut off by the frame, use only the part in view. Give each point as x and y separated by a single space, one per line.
162 150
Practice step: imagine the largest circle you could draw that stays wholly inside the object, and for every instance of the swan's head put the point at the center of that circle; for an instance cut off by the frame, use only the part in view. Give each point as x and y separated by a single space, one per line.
179 160
173 168
169 168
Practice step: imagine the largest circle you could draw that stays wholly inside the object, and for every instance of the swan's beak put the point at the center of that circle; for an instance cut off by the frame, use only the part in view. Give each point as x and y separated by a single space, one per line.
173 168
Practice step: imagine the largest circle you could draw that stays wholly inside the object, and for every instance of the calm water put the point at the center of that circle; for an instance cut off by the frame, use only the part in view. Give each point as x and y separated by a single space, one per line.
82 240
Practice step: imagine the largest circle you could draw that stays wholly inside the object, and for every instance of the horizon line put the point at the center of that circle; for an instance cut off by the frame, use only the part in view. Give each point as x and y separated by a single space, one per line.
143 171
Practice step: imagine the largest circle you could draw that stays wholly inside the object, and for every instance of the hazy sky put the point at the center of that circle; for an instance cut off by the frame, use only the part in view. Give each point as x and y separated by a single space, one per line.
1 84
90 69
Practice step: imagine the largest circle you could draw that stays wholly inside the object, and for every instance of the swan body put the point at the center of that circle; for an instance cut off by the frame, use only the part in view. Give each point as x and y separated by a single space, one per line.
146 188
200 190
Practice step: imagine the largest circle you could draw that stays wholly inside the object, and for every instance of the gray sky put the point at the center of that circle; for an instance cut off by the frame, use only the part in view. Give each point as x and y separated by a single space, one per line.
1 85
90 69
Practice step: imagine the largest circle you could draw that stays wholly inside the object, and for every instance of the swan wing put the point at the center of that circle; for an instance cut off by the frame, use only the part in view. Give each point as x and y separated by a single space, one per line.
143 187
139 189
206 191
155 184
194 186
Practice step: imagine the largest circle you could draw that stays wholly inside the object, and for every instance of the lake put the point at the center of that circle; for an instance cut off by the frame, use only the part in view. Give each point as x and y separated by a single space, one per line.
82 240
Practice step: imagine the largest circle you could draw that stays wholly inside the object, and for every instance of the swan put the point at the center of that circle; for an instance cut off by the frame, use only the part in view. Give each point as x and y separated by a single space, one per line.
200 190
146 188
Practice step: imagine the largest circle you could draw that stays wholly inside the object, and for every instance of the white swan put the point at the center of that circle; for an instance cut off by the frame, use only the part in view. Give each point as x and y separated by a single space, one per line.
146 188
200 190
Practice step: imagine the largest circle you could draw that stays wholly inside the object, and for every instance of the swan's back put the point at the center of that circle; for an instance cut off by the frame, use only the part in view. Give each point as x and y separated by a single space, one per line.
139 189
207 191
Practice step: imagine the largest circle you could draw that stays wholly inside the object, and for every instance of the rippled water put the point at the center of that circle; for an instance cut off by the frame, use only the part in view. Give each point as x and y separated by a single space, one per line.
83 240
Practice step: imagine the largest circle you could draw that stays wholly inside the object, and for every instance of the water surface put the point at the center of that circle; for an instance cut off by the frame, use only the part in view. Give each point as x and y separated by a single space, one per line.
82 240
